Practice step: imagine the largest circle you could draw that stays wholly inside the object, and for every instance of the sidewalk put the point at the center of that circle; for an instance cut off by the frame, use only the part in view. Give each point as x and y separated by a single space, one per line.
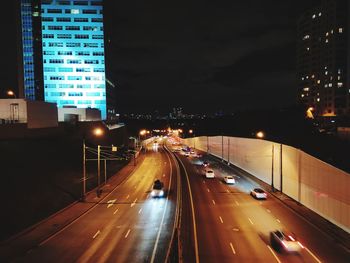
32 237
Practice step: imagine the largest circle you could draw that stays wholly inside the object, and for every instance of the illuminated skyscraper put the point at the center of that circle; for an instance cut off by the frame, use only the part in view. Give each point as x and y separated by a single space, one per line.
72 52
323 58
31 69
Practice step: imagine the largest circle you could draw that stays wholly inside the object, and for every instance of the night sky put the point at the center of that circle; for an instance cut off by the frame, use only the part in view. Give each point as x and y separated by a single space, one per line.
205 56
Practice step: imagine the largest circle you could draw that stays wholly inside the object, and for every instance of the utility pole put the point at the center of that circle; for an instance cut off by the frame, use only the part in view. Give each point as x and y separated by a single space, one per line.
98 170
84 172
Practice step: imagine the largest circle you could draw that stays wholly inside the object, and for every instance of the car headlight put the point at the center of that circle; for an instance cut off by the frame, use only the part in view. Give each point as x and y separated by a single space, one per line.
161 193
152 193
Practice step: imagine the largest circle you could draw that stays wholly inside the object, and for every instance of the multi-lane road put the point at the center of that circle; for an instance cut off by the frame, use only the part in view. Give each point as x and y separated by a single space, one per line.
216 222
128 225
231 226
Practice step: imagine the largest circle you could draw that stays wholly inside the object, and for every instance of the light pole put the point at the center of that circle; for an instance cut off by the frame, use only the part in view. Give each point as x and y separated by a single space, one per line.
261 135
97 132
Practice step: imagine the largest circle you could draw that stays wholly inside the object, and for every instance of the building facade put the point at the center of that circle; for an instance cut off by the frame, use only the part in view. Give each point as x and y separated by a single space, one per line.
323 59
30 55
71 35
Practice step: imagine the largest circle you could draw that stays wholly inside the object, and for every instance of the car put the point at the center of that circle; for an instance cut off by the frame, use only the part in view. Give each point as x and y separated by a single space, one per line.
205 164
258 193
157 189
209 173
229 179
286 242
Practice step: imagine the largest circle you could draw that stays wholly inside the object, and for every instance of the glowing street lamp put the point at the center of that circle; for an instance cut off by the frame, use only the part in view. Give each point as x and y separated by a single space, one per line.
260 134
11 93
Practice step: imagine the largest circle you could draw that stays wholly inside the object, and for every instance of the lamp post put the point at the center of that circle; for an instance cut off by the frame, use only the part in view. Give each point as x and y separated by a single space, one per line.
96 132
261 135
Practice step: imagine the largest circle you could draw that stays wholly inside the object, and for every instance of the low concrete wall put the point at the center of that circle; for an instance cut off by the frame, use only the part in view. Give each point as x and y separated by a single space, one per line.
319 186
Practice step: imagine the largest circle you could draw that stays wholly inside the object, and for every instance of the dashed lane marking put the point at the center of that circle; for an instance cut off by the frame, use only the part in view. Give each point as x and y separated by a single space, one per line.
115 211
97 233
250 221
213 202
221 219
274 254
232 249
127 233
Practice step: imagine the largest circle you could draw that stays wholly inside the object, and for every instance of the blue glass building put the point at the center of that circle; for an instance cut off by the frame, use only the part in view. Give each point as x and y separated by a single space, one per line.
73 53
30 72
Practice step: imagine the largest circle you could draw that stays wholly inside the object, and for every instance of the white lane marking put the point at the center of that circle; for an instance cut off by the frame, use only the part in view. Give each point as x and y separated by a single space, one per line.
221 219
127 234
250 221
278 220
313 255
140 210
268 210
232 248
163 217
274 254
128 197
227 190
193 214
213 202
115 211
236 202
208 190
133 203
97 233
111 202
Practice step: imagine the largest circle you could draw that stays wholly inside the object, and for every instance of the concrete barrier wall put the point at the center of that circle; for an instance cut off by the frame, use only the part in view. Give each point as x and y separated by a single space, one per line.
312 182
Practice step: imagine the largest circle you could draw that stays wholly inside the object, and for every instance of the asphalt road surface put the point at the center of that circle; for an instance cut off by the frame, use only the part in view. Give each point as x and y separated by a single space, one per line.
127 226
232 226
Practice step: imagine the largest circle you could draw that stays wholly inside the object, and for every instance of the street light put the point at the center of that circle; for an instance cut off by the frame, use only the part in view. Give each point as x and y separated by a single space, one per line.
261 135
96 132
11 93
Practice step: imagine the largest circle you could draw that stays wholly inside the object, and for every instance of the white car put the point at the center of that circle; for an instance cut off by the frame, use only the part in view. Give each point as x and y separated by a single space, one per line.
258 193
229 179
286 242
209 173
158 189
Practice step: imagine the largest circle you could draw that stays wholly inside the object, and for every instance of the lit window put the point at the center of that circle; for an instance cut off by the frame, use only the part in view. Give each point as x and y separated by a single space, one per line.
339 71
312 76
318 99
340 84
326 72
307 48
74 11
330 85
318 81
302 78
325 67
302 95
313 16
338 77
319 14
307 77
326 40
327 34
332 31
306 89
340 30
306 37
326 85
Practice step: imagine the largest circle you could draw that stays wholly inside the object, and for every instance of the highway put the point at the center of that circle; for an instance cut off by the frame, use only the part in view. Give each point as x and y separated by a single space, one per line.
128 225
232 226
